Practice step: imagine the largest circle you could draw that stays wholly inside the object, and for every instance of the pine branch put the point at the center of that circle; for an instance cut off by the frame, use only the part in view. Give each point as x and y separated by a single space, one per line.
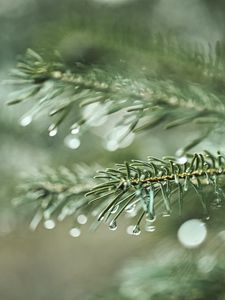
86 97
141 189
56 194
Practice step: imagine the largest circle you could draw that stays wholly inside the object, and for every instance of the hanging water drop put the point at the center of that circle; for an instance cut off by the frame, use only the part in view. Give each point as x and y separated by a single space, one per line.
75 232
166 214
207 218
52 130
151 219
75 129
136 230
113 225
114 209
26 120
186 184
130 208
49 224
150 227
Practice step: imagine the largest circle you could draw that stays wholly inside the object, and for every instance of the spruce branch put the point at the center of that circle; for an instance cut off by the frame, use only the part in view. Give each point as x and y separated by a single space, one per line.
56 193
141 189
86 97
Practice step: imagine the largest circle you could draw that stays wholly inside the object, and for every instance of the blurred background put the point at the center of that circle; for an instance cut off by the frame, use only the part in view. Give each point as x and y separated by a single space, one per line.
50 264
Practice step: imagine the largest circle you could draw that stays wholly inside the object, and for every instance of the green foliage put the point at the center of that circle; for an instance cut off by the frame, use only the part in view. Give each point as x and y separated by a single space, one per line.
143 189
175 276
84 96
57 194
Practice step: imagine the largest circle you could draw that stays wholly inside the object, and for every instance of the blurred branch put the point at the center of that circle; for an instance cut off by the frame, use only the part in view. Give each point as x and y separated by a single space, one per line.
86 96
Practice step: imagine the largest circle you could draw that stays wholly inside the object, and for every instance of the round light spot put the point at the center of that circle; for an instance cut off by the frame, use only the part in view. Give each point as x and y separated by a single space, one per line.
75 232
53 132
192 233
72 142
82 219
49 224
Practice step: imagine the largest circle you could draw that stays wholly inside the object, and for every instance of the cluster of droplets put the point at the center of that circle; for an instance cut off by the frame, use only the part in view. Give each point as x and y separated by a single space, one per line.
52 130
76 230
131 211
72 140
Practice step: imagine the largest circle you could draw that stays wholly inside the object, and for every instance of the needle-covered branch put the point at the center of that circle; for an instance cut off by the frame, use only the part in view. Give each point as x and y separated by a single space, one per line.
140 189
86 97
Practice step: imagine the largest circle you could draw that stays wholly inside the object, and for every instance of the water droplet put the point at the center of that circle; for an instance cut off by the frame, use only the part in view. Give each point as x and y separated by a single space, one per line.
26 120
207 218
182 160
113 225
49 224
166 214
192 233
82 219
52 130
130 208
114 209
75 232
150 227
75 129
72 142
176 179
151 219
136 230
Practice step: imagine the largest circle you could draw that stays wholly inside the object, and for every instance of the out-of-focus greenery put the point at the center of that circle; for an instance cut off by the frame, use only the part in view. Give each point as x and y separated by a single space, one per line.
45 265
